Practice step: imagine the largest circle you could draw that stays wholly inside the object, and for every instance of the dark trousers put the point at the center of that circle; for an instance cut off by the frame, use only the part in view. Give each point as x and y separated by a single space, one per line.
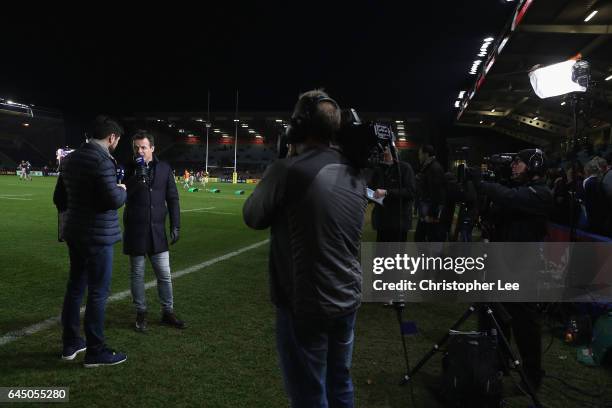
523 321
315 359
391 235
91 269
430 232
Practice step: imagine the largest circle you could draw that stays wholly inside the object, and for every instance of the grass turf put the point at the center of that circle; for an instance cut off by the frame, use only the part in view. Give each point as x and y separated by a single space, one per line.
226 358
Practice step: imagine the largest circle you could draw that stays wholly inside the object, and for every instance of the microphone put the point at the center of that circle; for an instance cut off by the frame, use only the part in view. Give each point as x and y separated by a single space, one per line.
141 170
120 174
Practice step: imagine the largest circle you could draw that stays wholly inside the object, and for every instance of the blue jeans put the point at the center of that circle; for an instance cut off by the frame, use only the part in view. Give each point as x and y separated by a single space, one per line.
161 266
91 269
315 358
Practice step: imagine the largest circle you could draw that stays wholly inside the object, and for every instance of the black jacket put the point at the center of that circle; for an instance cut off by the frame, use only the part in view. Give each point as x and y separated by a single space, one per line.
396 213
87 190
315 204
144 217
431 189
520 213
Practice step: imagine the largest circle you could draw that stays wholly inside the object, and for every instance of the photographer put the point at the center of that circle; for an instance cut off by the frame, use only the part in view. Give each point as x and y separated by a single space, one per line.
521 215
314 201
151 195
393 180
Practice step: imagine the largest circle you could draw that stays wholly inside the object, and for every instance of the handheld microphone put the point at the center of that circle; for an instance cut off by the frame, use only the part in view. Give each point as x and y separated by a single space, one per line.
120 174
141 169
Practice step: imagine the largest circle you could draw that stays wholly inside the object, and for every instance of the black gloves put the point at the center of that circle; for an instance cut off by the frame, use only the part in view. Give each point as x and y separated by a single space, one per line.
174 235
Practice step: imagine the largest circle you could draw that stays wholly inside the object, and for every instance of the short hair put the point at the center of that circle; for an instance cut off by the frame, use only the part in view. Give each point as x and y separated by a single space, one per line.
427 148
103 126
324 117
603 163
592 167
143 134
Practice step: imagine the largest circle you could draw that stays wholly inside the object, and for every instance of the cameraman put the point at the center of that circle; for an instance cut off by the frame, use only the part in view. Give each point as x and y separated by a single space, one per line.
393 180
314 201
521 216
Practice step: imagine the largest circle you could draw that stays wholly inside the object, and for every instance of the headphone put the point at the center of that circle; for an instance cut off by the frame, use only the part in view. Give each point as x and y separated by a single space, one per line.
302 123
536 161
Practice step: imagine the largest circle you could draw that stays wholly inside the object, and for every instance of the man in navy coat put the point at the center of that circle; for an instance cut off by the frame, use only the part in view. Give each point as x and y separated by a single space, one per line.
88 195
151 195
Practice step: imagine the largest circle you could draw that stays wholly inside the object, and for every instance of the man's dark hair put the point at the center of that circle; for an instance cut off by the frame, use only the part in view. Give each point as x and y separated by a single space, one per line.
103 126
427 148
323 118
143 134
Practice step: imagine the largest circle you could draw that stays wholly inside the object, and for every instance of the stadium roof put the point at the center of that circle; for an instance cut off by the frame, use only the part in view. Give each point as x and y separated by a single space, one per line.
541 32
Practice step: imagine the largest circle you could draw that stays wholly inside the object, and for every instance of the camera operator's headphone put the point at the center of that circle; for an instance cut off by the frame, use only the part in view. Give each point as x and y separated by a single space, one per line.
536 161
302 123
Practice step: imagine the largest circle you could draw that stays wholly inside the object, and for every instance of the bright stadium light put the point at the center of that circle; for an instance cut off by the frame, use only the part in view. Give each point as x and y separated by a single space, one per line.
279 121
609 78
461 94
10 102
457 104
244 125
590 16
559 79
251 131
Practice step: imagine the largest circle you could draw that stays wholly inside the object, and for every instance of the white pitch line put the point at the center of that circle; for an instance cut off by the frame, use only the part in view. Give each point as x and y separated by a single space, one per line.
198 209
15 198
50 322
16 195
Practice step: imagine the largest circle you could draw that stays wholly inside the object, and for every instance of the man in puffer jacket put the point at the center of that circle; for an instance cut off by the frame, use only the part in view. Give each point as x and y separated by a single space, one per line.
88 193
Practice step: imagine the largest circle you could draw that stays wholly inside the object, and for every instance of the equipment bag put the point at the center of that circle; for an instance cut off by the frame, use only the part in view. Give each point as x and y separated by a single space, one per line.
472 376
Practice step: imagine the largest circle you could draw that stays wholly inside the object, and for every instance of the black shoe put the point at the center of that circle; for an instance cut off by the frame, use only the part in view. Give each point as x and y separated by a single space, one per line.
170 319
141 322
69 352
106 357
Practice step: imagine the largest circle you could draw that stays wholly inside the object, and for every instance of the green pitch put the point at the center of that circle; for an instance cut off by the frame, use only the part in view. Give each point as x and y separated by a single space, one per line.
226 357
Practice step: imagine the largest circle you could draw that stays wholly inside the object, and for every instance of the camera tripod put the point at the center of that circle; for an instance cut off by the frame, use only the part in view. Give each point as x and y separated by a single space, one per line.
486 308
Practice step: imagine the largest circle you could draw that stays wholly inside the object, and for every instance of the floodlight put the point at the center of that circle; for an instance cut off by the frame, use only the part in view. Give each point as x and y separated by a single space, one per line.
559 79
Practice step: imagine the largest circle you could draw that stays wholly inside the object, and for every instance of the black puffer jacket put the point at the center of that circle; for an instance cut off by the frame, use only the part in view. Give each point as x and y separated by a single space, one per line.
87 190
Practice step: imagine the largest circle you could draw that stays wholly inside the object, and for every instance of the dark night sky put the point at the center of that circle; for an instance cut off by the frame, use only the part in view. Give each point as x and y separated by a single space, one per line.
408 56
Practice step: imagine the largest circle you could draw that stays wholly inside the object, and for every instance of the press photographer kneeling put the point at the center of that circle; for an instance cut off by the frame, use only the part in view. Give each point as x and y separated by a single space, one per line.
519 213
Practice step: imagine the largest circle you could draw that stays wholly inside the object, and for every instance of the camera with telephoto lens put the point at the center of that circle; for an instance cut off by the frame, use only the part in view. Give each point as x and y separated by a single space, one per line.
364 143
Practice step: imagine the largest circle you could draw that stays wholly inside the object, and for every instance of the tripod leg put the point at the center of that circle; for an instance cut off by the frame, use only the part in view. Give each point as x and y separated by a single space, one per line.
399 310
515 360
436 347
